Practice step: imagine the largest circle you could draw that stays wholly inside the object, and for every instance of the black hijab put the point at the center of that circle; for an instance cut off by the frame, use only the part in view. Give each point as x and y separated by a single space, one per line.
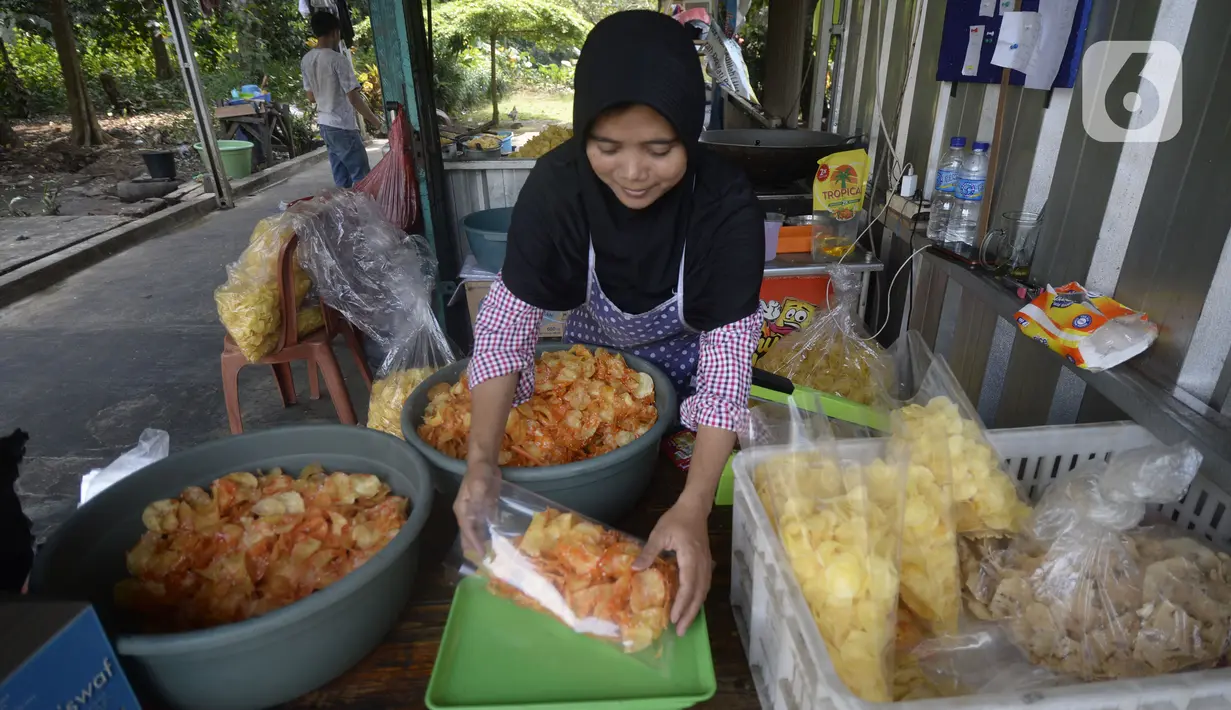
638 57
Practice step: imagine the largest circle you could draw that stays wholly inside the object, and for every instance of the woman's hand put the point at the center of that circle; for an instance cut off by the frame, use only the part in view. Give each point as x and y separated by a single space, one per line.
476 500
684 530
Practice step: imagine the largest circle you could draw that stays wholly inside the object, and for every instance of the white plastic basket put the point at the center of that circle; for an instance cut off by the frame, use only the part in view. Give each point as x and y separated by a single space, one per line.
790 664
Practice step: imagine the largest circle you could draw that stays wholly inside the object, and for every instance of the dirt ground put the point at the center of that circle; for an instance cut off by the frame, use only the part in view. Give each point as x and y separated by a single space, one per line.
81 181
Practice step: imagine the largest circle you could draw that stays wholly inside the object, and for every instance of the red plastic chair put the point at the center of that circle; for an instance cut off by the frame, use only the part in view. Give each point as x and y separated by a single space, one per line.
316 348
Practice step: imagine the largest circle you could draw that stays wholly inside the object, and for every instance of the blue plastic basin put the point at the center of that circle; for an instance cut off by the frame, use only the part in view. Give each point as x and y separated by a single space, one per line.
487 232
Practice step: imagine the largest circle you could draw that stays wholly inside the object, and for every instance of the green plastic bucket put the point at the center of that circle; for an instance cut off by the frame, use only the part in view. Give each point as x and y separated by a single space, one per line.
236 157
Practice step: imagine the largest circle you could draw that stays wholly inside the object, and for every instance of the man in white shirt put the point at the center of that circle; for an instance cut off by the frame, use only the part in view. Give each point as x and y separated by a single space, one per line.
331 85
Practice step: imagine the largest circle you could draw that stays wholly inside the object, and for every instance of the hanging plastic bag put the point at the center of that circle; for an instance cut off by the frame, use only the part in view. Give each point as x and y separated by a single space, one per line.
249 304
393 182
832 353
154 445
416 355
381 280
1085 591
838 514
554 560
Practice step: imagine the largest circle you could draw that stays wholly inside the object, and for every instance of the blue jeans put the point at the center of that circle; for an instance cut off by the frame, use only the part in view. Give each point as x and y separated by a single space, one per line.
348 158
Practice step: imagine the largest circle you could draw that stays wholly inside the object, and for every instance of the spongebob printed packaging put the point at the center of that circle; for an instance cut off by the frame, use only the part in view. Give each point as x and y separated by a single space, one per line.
1091 331
831 353
789 303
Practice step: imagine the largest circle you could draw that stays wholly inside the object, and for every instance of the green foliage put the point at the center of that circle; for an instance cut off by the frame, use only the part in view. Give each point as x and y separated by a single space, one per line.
462 22
462 79
39 71
595 10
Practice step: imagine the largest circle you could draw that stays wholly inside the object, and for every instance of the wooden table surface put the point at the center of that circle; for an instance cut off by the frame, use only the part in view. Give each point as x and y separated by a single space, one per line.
396 674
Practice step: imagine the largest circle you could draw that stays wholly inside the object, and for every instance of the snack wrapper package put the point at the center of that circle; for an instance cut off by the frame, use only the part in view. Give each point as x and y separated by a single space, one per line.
678 448
832 353
248 303
1086 591
1091 331
557 561
381 280
838 186
839 521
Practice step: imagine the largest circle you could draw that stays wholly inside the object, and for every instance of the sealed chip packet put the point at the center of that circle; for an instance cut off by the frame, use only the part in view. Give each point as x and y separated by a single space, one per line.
551 559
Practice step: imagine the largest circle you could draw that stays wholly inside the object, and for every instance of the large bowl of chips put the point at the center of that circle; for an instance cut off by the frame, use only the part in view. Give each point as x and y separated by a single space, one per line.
268 659
605 487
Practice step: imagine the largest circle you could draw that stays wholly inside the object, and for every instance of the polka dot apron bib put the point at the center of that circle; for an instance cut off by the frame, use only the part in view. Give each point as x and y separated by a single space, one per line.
659 335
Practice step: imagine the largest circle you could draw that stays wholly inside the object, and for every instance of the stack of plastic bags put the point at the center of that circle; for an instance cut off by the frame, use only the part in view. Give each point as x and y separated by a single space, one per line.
381 280
249 303
832 353
989 595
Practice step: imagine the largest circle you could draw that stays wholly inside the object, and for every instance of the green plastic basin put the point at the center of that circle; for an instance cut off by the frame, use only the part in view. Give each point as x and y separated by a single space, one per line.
236 157
266 660
605 487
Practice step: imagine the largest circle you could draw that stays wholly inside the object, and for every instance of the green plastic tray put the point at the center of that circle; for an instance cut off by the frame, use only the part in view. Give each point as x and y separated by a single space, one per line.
495 654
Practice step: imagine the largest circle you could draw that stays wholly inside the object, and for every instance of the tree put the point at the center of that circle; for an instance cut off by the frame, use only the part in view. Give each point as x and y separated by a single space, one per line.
541 21
595 10
13 89
163 69
86 129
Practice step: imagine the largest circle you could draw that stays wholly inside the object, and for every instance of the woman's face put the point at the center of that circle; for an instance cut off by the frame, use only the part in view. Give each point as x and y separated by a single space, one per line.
636 153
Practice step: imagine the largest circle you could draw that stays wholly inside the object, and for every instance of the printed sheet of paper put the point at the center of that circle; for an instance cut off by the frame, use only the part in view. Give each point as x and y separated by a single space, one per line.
1016 41
987 8
1055 26
974 46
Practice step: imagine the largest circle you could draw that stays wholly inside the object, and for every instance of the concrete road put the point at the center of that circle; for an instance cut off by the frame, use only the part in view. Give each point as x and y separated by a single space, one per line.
134 342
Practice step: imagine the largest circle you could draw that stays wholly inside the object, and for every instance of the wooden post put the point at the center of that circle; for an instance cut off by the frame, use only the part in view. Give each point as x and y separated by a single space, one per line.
789 26
993 156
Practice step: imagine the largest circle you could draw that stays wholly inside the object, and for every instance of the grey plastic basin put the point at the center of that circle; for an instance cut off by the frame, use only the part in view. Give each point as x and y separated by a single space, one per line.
269 659
605 487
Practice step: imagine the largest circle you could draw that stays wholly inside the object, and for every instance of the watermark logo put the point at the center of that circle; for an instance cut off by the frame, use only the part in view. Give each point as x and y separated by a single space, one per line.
1132 91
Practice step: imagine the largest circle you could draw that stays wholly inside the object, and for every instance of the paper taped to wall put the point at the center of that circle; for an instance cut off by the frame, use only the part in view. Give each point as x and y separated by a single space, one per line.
974 46
1055 26
1017 39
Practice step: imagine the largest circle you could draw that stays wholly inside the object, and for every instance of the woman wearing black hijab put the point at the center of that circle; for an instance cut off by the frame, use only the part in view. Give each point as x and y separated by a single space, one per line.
657 248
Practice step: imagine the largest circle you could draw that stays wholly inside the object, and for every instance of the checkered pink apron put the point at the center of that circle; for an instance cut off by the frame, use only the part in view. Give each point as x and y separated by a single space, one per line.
659 335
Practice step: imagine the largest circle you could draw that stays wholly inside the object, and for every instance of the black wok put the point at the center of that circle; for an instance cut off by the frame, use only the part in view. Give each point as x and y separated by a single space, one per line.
777 156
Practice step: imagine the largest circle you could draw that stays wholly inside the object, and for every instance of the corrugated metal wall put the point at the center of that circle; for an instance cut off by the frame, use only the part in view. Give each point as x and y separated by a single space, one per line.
1148 223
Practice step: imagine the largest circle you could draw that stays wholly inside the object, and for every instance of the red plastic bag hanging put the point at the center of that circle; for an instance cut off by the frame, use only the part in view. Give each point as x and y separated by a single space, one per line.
393 183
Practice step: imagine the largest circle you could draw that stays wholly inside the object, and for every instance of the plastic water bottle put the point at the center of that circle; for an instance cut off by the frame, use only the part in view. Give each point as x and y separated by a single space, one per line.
946 183
968 200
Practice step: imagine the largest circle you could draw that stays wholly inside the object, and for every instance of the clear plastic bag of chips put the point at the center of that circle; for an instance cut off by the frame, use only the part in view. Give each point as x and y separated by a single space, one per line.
554 560
943 428
249 304
832 353
837 509
1086 591
382 280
